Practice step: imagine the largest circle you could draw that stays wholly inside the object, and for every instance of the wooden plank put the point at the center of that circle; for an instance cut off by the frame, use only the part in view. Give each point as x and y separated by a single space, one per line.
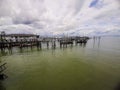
2 67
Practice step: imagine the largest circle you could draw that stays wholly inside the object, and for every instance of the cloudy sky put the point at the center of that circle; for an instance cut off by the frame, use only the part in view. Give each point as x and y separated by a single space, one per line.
57 17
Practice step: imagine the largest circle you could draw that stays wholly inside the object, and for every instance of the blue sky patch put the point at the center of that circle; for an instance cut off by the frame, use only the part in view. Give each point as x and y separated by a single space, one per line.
93 3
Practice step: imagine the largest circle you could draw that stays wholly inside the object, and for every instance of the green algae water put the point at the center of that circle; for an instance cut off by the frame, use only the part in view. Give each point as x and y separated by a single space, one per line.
95 66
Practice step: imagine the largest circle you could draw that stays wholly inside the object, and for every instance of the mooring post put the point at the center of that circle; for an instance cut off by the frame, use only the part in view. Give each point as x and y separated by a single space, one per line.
10 45
31 44
54 44
72 44
20 45
3 45
40 45
27 43
37 43
60 45
47 44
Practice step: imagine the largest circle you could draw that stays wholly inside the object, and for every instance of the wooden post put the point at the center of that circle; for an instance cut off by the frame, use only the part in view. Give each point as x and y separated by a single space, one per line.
40 45
20 45
54 44
37 43
31 44
2 68
47 44
3 45
60 44
10 45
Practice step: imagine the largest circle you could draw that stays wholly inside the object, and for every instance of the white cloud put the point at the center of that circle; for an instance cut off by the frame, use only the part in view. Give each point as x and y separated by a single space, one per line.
60 16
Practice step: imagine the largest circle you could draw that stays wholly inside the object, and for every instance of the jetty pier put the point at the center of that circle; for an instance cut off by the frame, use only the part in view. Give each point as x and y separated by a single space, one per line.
21 41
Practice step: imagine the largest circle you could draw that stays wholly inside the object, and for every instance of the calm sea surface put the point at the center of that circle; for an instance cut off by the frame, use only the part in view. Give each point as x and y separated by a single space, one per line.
95 66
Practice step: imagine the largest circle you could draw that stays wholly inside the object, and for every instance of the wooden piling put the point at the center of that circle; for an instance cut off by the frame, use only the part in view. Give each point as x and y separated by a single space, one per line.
2 67
47 44
30 43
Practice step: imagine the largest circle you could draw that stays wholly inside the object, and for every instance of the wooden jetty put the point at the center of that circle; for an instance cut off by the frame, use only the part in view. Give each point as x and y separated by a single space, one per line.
65 43
80 40
2 68
30 40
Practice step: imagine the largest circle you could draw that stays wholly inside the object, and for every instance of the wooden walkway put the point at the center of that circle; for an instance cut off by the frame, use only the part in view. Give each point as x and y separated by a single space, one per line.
63 42
2 67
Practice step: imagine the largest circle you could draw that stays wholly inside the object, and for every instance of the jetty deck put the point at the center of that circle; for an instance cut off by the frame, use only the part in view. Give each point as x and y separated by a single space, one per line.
9 44
28 40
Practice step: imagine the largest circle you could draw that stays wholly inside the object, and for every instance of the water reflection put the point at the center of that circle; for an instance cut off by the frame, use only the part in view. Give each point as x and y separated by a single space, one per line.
53 47
93 42
99 38
64 67
3 53
84 44
96 42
